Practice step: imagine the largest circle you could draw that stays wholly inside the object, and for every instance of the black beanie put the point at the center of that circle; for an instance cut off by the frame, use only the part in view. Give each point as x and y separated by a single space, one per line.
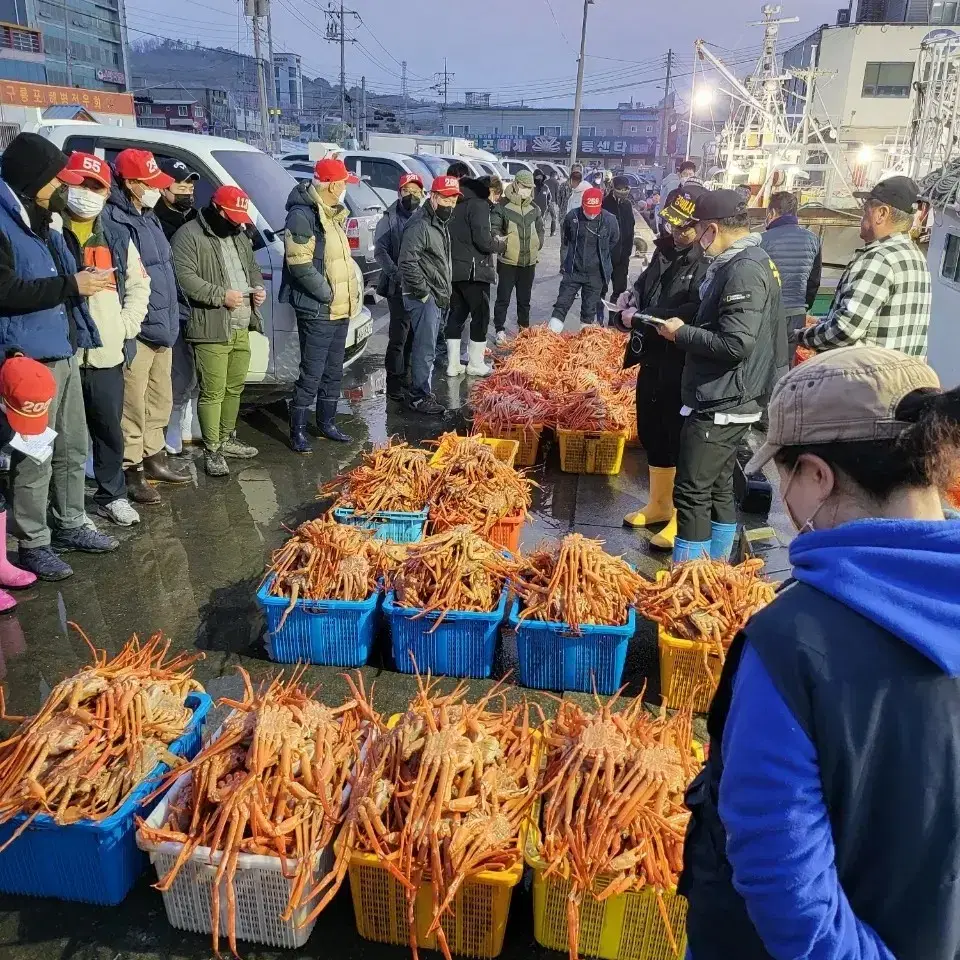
30 162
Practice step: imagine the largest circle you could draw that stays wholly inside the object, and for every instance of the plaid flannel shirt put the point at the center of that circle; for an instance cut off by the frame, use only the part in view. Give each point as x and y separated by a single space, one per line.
882 300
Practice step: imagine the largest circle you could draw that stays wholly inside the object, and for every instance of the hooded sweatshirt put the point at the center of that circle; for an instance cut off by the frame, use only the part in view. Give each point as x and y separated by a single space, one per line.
839 783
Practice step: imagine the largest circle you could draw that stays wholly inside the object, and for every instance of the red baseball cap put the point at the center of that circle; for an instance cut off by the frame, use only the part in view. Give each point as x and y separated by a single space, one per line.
446 186
592 200
234 203
333 170
410 178
140 165
27 389
89 167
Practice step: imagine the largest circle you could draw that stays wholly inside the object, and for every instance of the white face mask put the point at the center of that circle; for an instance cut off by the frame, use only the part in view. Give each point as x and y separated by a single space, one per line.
84 203
149 198
524 193
321 185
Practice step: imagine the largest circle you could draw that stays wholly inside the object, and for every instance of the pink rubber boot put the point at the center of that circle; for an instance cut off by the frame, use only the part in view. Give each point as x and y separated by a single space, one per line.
6 601
10 576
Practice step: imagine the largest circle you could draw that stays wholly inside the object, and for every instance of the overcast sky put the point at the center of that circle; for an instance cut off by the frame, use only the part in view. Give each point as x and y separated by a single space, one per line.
517 49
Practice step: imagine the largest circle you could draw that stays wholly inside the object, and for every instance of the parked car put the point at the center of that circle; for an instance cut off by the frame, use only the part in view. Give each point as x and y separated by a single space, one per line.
515 166
275 358
365 208
547 167
382 171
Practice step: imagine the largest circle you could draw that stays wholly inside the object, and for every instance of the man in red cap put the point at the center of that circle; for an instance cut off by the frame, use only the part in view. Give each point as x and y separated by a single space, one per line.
588 239
426 276
118 313
219 275
389 234
27 391
44 314
148 390
323 285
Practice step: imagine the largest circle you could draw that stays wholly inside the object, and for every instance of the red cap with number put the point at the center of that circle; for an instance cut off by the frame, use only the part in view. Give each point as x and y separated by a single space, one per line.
592 200
446 186
27 389
140 165
333 170
233 203
90 167
406 178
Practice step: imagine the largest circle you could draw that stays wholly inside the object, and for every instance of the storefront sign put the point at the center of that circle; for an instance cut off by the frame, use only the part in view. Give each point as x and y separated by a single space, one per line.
42 95
112 76
560 146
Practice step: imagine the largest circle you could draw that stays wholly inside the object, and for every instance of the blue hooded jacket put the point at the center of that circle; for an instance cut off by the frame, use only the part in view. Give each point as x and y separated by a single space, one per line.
903 576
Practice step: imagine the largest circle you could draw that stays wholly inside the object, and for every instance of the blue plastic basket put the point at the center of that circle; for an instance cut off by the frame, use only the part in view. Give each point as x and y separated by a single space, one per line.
337 633
462 645
399 527
90 861
553 658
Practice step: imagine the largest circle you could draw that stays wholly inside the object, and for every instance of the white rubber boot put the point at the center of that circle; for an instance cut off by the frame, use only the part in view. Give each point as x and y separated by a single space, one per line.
555 325
454 366
476 366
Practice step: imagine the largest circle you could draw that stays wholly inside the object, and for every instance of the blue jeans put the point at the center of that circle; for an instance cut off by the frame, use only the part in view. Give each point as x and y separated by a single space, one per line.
425 324
322 348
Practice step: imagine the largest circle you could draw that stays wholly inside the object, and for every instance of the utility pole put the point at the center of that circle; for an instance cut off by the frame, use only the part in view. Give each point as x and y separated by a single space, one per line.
693 98
337 33
274 100
66 42
363 113
403 95
664 118
443 86
578 103
261 86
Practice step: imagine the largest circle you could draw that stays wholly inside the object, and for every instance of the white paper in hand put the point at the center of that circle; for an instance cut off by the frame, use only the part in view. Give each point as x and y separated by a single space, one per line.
38 448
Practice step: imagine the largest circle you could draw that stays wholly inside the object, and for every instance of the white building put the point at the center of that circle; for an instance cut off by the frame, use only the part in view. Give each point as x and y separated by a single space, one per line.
865 105
288 75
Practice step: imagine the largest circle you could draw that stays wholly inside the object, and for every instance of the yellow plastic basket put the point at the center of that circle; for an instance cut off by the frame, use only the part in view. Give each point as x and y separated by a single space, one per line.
475 927
582 452
528 442
503 450
625 927
689 669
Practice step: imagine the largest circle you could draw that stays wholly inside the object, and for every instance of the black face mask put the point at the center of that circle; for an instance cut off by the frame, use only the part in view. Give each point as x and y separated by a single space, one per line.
409 202
182 202
219 224
444 213
58 199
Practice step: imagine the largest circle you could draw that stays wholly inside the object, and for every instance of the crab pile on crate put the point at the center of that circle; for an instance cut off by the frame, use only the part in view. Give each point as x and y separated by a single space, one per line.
572 385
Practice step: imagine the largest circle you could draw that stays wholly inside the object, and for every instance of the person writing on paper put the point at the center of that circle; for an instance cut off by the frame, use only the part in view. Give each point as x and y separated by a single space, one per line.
118 313
730 349
44 313
825 823
669 287
219 275
27 389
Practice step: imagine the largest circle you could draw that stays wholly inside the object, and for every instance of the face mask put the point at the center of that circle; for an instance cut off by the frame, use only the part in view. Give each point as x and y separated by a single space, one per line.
524 193
707 240
410 202
58 199
149 198
84 203
591 216
807 526
342 195
182 202
444 213
622 194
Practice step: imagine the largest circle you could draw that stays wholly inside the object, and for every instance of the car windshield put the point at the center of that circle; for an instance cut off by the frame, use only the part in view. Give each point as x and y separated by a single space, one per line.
263 179
500 169
435 166
362 199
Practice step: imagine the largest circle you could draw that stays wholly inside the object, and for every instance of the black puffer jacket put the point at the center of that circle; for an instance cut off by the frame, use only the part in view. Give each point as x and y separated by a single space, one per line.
669 287
732 343
471 241
623 211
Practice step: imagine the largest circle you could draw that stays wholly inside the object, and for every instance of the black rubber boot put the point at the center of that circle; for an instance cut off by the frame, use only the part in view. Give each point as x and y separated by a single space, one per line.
298 430
327 421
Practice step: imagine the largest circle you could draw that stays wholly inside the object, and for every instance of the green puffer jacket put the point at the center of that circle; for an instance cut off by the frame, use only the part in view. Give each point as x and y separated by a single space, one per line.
521 222
202 275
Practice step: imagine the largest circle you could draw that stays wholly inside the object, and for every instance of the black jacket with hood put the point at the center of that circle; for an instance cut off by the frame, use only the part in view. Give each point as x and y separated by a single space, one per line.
425 257
623 211
669 287
471 241
731 345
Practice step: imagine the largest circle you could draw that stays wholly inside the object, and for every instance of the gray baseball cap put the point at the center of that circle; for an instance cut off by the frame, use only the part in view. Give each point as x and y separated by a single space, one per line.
842 396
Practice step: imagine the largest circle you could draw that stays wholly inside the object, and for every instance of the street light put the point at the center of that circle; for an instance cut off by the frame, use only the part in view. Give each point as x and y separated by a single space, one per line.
704 97
578 102
865 154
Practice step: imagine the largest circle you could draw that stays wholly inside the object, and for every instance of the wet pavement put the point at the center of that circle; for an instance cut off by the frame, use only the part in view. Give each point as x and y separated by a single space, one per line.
191 569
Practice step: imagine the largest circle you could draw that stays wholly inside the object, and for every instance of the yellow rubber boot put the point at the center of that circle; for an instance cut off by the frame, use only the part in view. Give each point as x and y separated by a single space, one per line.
664 539
660 507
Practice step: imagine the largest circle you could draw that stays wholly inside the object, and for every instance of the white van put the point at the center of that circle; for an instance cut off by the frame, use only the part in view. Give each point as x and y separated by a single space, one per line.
275 356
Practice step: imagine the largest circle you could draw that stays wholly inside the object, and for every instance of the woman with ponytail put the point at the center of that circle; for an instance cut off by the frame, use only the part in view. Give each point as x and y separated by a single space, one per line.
826 823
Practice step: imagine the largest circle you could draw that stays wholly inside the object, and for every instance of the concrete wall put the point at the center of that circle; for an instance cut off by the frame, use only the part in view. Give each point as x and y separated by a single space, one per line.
944 345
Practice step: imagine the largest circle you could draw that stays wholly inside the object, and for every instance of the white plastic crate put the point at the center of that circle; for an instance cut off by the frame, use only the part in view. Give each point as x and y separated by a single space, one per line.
260 888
